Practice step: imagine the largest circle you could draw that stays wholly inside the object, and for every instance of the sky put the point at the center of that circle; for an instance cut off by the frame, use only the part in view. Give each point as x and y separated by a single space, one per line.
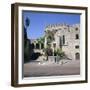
38 21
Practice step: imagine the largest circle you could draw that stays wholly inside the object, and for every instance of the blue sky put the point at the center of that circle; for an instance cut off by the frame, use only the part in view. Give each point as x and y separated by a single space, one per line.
38 21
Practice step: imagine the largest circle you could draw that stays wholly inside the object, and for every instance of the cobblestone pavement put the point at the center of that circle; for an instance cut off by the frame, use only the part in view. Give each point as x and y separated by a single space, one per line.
33 69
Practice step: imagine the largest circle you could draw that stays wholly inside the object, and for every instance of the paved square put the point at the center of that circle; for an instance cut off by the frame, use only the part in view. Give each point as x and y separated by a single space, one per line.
45 69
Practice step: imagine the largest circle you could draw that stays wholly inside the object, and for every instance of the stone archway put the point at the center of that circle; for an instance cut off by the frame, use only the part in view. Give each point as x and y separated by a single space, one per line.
77 56
37 46
42 45
32 45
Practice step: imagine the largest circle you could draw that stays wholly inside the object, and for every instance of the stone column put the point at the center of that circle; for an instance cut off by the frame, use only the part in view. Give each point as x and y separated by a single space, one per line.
34 45
39 45
45 44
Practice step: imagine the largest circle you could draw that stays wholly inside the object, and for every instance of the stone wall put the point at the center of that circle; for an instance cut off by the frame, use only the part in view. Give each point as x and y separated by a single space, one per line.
72 42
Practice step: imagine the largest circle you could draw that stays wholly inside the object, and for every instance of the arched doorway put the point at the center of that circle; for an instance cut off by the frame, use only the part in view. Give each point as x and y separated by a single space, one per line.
77 56
42 45
32 45
37 46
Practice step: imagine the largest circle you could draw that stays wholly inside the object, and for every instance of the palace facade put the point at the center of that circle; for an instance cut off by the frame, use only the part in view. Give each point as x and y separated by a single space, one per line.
66 37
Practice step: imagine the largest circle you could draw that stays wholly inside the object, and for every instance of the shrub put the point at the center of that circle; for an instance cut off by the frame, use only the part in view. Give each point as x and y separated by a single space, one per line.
59 52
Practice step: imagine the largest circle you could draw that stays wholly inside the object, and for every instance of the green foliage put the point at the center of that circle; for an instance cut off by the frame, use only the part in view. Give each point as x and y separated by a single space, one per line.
50 36
27 22
41 40
59 52
27 48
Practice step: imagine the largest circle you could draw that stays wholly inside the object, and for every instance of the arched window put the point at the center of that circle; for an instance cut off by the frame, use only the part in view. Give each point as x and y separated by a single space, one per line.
77 56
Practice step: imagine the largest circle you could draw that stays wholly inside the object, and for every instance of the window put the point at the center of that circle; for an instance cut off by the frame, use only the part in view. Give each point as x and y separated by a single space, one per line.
54 45
63 39
60 40
77 46
76 29
77 36
65 28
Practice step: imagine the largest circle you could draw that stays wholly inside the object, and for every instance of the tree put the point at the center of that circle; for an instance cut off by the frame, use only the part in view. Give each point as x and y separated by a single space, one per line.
27 22
27 45
59 52
41 40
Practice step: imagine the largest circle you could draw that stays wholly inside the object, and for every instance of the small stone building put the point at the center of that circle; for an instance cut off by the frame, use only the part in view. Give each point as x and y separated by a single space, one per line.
66 37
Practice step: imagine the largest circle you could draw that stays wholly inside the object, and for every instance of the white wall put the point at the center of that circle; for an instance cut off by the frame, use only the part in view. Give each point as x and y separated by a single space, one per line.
5 45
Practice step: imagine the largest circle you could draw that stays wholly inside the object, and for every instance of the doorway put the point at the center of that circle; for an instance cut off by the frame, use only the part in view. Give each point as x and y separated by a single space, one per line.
77 56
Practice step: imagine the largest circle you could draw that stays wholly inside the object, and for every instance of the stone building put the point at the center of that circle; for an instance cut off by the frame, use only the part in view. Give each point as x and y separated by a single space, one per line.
66 37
